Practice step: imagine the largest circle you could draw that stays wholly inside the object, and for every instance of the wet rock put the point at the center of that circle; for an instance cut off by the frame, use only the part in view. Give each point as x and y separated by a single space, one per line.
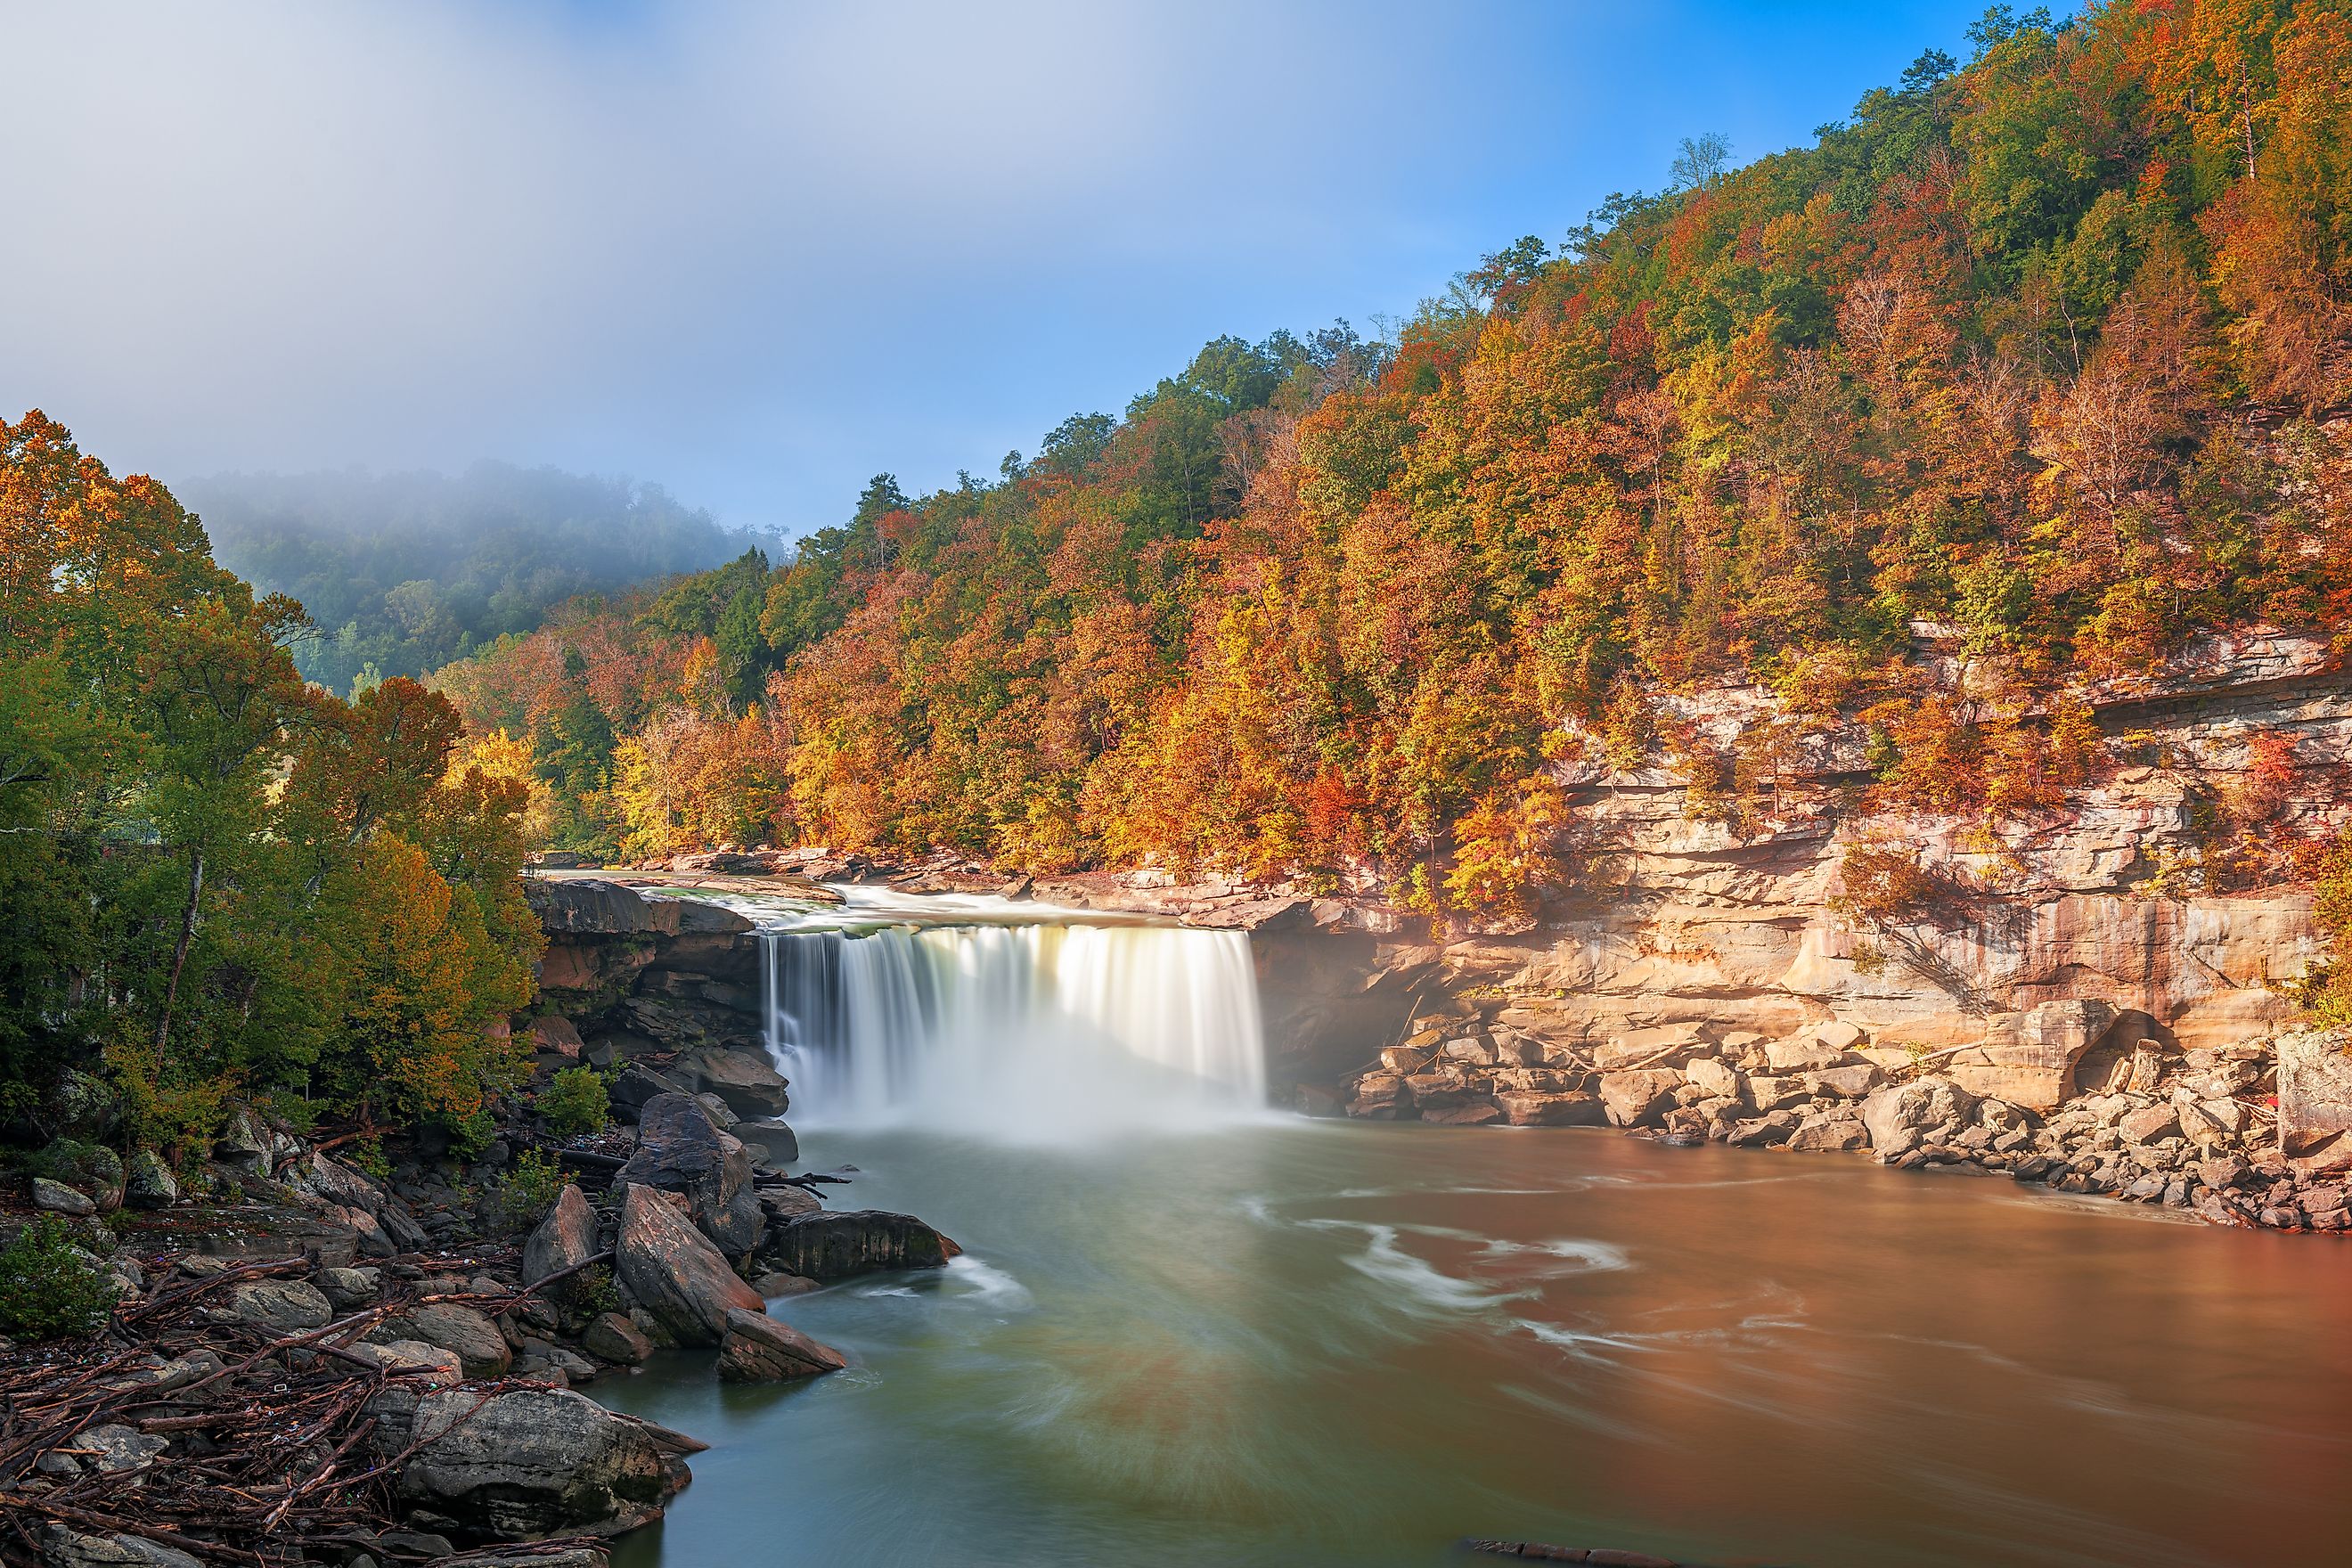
857 1241
674 1272
1533 1108
148 1182
612 1337
776 1283
1469 1113
281 1306
769 1141
757 1348
534 1462
1763 1130
57 1198
1632 1097
679 1150
566 1238
465 1333
748 1082
1828 1133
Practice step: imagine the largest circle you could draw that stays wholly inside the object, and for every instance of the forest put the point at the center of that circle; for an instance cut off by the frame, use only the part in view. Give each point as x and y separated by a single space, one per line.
401 572
218 877
2047 352
2044 352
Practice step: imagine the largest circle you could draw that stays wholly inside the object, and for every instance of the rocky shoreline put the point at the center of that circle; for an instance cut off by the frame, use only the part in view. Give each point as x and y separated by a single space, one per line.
308 1364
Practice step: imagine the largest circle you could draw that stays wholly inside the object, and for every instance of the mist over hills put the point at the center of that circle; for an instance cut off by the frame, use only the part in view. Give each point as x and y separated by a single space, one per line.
405 571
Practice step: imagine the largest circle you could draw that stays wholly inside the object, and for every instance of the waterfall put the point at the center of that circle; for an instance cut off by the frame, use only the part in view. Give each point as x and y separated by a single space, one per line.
1018 1030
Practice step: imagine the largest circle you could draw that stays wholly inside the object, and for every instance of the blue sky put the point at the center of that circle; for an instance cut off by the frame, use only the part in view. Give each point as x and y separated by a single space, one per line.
757 253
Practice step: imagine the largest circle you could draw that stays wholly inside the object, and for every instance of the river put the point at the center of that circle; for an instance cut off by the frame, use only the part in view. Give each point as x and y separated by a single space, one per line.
1283 1341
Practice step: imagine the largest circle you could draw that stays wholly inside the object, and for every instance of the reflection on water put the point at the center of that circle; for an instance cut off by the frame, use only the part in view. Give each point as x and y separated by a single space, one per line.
1320 1344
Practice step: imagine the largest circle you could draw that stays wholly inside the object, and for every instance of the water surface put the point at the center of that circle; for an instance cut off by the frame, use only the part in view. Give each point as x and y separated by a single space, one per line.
1307 1343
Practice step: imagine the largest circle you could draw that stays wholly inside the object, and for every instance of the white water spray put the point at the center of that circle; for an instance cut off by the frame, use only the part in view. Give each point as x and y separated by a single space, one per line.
1031 1026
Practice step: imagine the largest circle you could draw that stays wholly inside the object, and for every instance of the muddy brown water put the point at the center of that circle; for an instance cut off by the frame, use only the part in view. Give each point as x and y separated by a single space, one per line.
1293 1342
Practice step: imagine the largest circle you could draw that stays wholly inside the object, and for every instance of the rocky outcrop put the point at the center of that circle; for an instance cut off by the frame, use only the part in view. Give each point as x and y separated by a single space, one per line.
680 1150
534 1462
563 1240
673 1273
757 1348
2314 1101
857 1241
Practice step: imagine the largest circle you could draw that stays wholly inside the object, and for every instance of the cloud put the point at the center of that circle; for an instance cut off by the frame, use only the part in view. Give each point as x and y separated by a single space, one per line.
756 251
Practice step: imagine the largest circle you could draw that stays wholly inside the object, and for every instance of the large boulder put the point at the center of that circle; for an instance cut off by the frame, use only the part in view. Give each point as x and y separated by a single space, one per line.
1534 1108
468 1334
1899 1116
148 1182
1635 1096
672 1270
535 1462
858 1241
590 906
772 1143
749 1083
757 1348
2314 1101
280 1306
681 1150
636 1086
564 1239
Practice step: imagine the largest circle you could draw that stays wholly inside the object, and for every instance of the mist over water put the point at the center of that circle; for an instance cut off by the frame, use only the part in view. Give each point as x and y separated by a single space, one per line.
1018 1022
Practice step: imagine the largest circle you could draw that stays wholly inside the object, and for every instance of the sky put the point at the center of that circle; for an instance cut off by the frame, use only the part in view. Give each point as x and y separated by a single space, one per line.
757 253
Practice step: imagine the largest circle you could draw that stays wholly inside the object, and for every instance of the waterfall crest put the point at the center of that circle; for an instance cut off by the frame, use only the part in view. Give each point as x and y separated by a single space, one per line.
1040 1029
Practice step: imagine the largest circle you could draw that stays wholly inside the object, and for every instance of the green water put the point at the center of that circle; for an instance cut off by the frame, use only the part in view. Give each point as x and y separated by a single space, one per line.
1322 1344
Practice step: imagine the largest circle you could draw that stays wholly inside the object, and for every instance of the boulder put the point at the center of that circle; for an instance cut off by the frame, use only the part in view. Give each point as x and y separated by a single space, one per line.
757 1348
857 1241
1648 1047
612 1337
769 1142
465 1333
440 1367
590 906
1718 1080
58 1198
1470 1050
534 1462
245 1143
1807 1052
674 1272
1899 1116
1634 1098
2148 1124
1844 1083
281 1306
2314 1101
1536 1109
636 1085
554 1035
114 1449
564 1239
348 1287
1469 1113
148 1182
749 1083
679 1149
1775 1128
1832 1132
64 1547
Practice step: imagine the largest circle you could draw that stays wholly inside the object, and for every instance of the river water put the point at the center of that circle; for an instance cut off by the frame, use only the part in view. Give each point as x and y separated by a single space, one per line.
1282 1342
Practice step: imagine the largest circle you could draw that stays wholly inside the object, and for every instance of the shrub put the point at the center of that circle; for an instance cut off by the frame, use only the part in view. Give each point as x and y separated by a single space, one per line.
528 1190
2330 990
49 1287
575 1103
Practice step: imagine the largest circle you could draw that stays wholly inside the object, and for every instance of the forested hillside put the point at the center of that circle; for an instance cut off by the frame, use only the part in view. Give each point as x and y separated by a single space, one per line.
2043 353
216 878
404 572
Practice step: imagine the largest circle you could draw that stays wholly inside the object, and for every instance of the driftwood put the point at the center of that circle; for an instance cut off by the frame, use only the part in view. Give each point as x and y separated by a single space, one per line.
273 1451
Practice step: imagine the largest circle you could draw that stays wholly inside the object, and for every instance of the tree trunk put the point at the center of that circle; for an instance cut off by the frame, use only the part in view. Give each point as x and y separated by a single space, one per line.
180 953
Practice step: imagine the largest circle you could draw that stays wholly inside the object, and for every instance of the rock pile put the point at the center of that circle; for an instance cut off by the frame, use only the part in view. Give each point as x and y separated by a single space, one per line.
2097 1102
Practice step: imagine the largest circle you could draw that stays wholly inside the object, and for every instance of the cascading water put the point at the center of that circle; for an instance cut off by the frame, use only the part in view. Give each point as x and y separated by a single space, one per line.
1021 1027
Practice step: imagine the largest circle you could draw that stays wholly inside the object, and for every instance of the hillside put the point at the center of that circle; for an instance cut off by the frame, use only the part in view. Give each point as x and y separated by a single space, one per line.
2013 382
405 571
